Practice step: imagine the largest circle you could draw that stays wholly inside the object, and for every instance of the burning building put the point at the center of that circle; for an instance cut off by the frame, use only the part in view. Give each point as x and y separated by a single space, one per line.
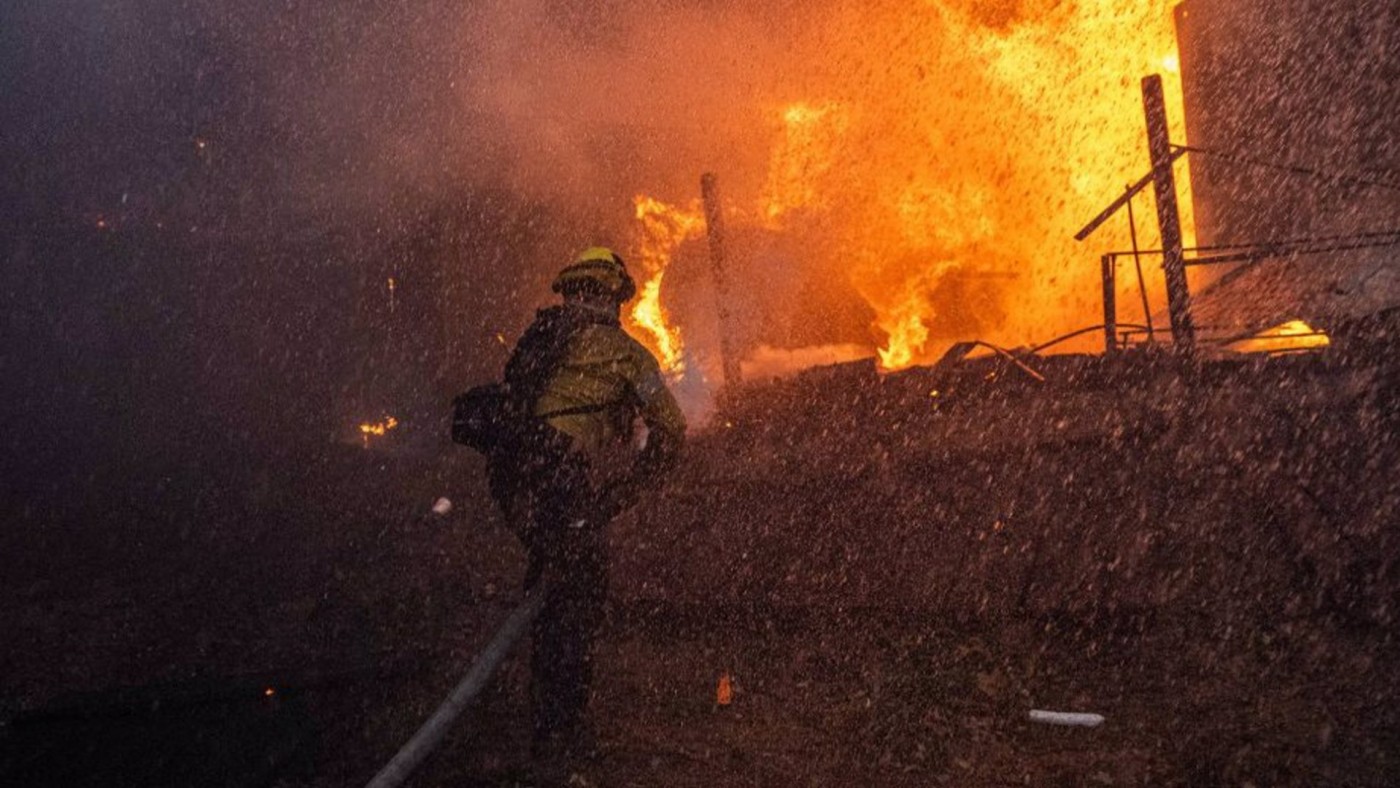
901 211
904 178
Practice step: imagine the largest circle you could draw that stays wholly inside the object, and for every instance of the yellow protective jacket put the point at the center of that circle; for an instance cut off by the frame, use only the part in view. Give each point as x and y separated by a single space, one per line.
603 366
594 380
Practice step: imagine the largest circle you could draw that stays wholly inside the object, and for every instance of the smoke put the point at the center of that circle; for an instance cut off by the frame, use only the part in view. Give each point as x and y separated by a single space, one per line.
592 103
770 362
902 144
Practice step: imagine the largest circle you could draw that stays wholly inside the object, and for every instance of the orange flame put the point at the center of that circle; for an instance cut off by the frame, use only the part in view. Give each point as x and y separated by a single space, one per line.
956 136
663 229
802 155
808 135
1028 129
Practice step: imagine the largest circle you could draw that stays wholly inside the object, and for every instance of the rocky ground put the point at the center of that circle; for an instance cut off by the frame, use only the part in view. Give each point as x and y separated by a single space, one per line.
894 570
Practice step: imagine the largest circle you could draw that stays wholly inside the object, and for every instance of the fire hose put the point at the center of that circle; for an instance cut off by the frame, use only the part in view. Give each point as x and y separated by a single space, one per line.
432 732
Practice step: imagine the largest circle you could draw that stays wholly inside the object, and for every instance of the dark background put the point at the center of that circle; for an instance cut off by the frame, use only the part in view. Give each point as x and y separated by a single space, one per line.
199 213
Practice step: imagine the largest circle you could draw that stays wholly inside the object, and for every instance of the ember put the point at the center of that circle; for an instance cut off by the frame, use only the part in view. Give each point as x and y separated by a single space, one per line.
377 429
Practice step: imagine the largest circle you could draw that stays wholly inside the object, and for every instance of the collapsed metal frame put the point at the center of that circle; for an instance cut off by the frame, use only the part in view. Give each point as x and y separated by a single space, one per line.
1173 252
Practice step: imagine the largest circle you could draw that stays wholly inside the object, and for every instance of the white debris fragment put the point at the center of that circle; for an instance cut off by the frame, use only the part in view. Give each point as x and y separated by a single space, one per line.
1071 718
442 506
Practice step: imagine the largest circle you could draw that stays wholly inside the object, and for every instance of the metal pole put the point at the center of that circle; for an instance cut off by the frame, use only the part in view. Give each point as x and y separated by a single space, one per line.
431 734
1110 306
714 226
1158 143
1142 283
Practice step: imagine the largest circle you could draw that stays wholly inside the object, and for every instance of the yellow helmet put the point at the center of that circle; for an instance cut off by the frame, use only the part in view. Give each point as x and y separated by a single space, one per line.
600 270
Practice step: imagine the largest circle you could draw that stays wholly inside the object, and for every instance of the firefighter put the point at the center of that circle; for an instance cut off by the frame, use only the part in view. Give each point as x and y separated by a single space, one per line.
586 383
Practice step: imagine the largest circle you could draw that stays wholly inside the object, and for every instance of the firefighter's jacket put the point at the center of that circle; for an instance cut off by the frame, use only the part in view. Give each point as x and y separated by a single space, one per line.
609 371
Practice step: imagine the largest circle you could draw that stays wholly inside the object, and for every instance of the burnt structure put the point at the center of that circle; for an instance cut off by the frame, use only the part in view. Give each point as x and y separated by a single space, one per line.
1290 112
1310 84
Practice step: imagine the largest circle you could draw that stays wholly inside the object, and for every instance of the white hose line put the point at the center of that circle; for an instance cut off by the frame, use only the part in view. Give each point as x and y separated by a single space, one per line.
1069 718
432 732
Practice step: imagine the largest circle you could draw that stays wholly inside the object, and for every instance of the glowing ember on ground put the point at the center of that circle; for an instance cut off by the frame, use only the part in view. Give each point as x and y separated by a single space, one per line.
724 690
377 429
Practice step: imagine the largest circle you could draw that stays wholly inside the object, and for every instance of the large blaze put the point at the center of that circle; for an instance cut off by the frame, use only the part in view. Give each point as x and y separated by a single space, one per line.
802 155
914 141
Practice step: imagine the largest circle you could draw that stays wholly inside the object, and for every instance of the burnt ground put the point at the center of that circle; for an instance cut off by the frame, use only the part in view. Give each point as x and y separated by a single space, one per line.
1205 556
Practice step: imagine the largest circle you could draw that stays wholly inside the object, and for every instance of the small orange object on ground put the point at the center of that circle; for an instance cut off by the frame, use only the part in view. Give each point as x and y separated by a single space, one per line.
724 693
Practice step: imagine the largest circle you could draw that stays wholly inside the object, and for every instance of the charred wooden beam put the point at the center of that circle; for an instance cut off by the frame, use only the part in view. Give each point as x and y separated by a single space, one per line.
1110 304
1168 219
714 226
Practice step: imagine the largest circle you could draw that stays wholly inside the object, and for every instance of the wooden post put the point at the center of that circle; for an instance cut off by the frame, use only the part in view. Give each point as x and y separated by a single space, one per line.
714 226
1110 305
1173 257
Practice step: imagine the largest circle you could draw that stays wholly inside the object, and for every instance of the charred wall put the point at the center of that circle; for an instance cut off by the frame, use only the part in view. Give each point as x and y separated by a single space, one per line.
1306 83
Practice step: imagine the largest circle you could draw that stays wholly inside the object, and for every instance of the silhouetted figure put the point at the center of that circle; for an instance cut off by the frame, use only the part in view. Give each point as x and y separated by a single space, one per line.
579 384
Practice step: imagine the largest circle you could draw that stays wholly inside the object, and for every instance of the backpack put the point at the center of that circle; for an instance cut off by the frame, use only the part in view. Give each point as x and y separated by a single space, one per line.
496 418
480 419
